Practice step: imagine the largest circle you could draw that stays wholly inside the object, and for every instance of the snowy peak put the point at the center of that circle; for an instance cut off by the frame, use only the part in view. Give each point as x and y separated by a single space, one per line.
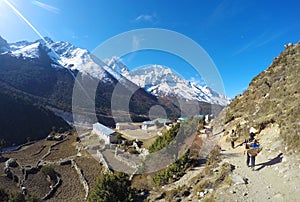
29 51
76 58
155 75
63 54
156 79
116 65
162 81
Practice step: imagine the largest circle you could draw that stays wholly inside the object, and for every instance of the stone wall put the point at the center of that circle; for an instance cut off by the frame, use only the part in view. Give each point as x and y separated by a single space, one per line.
81 179
102 161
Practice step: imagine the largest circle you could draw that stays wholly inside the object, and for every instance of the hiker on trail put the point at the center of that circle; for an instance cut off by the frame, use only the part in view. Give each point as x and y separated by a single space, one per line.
251 143
232 138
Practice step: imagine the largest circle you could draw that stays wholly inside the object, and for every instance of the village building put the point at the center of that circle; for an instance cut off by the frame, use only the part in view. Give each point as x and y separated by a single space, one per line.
147 124
156 123
127 126
104 133
163 121
181 119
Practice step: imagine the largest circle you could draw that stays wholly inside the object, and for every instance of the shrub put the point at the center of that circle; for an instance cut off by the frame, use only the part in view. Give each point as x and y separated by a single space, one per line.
49 171
164 140
174 171
179 132
112 187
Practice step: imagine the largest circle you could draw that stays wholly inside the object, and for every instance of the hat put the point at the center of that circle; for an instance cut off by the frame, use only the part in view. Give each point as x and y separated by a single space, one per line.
252 130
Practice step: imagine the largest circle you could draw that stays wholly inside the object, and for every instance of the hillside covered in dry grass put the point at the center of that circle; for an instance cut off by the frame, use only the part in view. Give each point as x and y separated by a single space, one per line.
271 98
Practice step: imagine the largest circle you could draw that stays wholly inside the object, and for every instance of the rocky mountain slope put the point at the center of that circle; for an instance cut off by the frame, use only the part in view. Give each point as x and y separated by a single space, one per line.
272 98
270 106
45 71
22 121
162 81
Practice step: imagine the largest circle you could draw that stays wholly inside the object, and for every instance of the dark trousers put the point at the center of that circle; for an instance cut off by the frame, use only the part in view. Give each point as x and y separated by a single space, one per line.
252 158
232 144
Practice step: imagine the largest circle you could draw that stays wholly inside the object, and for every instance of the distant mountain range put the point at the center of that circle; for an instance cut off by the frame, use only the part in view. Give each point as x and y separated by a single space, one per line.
162 81
42 72
158 80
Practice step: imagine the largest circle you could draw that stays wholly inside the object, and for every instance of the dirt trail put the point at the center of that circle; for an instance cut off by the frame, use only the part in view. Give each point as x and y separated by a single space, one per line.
272 180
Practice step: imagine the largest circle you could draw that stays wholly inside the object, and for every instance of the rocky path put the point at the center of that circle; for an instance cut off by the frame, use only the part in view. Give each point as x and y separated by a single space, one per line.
272 180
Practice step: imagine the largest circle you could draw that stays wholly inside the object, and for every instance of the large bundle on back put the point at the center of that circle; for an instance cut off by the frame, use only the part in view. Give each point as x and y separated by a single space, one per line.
253 148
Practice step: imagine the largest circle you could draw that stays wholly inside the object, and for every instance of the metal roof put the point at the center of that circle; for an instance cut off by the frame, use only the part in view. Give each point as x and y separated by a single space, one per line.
105 130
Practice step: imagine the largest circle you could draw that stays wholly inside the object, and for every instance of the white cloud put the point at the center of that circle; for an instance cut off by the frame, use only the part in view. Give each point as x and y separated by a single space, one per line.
46 7
147 18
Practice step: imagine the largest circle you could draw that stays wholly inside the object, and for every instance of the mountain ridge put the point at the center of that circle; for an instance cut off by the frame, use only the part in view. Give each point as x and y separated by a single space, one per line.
46 75
272 98
163 81
66 55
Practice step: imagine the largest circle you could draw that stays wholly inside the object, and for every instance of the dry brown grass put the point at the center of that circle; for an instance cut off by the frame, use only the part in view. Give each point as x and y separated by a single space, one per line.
272 97
148 142
91 169
26 156
8 184
63 150
37 184
71 188
143 181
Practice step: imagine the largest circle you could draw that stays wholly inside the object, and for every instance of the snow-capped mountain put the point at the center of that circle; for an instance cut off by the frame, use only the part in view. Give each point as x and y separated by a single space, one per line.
157 80
29 51
117 65
161 81
44 72
63 54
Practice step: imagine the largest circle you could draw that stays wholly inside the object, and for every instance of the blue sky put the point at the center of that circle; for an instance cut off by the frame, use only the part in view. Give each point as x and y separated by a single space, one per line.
241 37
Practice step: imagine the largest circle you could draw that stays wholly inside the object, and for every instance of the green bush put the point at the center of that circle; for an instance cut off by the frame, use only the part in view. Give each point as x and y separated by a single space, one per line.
16 197
178 132
112 187
174 171
49 171
164 140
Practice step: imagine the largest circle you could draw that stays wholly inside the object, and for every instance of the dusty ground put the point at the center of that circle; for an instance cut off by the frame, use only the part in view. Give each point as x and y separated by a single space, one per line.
276 176
139 134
